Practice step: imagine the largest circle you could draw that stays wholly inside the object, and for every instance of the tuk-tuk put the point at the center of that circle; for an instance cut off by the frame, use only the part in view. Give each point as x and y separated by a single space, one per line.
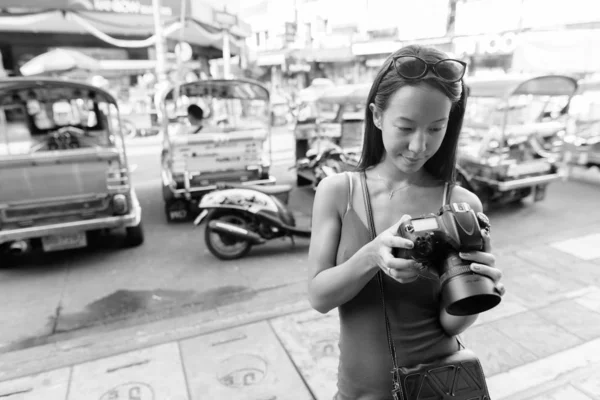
582 142
63 167
335 117
232 144
511 136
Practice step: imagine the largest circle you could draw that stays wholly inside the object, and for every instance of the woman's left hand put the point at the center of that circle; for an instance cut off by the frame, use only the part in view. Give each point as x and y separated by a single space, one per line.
484 263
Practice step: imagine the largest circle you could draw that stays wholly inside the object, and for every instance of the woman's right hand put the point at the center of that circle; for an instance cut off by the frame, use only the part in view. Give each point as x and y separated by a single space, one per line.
401 269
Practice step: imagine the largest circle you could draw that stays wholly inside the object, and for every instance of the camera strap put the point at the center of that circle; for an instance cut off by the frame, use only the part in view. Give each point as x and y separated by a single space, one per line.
397 389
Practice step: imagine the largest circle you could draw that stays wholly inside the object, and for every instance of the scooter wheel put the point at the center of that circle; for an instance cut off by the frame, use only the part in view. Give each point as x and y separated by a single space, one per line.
223 246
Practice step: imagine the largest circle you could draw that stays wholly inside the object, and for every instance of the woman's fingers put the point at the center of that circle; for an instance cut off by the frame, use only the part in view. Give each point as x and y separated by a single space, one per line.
480 257
397 241
492 272
394 228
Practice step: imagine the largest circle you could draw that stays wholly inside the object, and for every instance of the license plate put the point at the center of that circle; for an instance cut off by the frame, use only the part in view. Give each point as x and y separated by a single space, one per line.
64 242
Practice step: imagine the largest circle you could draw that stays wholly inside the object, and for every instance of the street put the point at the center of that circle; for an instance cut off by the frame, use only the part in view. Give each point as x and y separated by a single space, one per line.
173 273
65 308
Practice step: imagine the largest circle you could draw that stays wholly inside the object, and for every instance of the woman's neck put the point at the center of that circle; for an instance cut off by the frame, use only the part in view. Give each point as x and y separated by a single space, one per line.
388 171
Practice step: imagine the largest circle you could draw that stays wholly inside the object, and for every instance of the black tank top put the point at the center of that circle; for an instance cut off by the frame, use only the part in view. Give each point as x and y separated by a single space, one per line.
413 310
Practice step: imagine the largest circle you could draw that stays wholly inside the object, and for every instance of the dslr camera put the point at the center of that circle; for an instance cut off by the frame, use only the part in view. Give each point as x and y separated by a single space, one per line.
438 238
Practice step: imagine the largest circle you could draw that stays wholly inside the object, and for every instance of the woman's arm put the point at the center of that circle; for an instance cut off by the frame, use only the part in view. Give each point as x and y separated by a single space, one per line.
331 285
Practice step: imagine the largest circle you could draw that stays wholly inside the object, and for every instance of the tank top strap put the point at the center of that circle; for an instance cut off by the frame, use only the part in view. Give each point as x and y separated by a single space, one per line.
447 197
350 190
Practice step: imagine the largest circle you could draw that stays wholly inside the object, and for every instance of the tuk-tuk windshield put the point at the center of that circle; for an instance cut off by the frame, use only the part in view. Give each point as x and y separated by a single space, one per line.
55 118
226 107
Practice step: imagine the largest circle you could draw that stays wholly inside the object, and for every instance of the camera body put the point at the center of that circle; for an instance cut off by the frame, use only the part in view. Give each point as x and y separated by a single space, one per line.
455 228
438 238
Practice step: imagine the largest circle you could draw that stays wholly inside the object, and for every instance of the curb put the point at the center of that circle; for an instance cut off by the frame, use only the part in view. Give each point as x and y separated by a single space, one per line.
64 351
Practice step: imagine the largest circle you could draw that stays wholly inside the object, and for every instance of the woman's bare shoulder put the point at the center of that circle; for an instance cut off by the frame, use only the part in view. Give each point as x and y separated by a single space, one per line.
332 189
462 195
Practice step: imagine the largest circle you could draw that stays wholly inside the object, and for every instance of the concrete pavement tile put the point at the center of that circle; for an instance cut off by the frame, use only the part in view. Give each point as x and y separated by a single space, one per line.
566 392
590 383
590 300
244 363
546 371
536 334
51 385
311 339
509 305
584 247
573 318
151 373
537 288
561 265
497 352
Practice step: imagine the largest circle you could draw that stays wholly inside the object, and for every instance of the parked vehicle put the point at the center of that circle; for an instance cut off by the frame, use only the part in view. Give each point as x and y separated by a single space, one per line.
238 217
233 145
63 167
323 160
582 142
511 134
336 116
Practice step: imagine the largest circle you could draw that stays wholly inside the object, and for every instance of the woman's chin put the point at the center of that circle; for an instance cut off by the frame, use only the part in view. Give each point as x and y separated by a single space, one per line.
408 167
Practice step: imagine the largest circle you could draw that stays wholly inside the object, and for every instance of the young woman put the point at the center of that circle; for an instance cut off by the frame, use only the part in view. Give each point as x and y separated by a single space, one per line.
413 119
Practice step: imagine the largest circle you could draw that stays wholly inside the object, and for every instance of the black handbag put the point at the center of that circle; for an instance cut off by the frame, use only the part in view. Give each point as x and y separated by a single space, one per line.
458 376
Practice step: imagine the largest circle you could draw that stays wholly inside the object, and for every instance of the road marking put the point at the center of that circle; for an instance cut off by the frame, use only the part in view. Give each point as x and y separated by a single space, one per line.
51 385
148 374
543 371
244 363
584 247
311 340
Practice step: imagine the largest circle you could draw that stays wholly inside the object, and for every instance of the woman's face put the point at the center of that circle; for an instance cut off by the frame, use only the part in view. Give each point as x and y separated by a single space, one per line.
413 126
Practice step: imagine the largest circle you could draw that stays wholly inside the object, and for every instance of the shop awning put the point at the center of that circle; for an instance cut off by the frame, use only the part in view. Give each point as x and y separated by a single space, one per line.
326 55
120 30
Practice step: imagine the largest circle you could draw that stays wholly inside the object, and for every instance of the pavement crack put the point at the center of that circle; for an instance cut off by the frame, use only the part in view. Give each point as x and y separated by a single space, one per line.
15 393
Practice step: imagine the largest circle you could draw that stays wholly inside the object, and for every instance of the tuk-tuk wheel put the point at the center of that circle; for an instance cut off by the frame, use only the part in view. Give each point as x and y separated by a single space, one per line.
221 246
134 235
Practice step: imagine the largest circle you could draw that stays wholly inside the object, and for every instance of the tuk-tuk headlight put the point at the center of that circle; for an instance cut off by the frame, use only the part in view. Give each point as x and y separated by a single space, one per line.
119 204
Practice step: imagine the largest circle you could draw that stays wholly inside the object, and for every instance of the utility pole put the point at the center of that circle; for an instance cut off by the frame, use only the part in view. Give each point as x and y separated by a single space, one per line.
225 21
161 66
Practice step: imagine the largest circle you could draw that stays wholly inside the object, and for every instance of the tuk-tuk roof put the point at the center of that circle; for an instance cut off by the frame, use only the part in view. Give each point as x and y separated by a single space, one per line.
505 86
245 89
69 87
356 93
586 85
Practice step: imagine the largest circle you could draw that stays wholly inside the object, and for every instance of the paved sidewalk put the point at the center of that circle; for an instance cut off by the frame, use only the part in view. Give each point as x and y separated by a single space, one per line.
541 342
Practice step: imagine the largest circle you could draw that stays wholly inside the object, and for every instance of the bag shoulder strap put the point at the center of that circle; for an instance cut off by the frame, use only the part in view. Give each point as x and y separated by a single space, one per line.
447 194
371 226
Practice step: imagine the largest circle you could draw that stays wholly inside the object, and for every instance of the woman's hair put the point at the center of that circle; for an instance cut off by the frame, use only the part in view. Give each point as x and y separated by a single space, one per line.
442 164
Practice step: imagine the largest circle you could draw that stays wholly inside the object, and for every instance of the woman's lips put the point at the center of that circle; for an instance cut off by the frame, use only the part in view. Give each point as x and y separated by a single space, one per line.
412 160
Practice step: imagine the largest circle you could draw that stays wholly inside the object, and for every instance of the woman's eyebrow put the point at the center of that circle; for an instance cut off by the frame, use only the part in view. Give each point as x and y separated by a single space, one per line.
410 120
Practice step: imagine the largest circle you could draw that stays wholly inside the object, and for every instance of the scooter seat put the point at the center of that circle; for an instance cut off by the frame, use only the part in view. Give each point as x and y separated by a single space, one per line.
271 190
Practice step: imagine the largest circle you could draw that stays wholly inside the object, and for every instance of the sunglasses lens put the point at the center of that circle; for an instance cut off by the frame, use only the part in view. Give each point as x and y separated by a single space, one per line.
450 70
410 67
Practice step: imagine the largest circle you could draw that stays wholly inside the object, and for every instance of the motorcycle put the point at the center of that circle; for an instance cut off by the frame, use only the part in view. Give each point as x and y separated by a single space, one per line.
320 163
240 216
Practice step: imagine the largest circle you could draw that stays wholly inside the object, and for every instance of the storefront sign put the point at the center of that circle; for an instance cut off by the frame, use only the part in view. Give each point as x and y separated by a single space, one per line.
485 44
144 7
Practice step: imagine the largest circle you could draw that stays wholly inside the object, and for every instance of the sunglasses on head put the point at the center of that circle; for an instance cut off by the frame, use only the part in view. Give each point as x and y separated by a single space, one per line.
413 67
